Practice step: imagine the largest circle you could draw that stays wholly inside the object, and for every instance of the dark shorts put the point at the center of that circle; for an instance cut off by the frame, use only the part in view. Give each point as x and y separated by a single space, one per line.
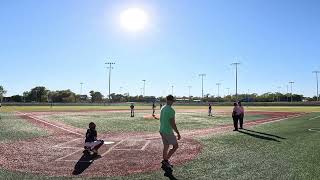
169 139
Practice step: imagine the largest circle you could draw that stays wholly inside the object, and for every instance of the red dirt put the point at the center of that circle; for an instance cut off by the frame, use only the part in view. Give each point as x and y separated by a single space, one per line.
47 156
156 116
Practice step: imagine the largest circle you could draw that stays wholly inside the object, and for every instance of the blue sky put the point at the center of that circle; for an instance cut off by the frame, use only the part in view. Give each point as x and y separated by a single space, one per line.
59 44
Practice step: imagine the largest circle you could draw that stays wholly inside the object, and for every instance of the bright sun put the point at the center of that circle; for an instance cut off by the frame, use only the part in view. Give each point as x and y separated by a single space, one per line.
133 19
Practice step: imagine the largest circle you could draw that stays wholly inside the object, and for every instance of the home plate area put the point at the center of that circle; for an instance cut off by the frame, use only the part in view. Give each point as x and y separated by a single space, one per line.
78 146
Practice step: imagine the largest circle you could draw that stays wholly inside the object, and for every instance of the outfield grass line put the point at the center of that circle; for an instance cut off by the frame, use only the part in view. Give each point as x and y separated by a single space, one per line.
37 119
314 118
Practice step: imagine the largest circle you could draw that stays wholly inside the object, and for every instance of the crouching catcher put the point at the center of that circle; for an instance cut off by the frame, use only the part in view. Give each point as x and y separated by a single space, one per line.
91 143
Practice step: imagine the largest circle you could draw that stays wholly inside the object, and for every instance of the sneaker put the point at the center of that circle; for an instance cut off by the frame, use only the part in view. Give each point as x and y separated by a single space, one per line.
235 130
166 164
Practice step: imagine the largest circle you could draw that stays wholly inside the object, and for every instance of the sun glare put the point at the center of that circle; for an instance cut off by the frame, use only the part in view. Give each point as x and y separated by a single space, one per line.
133 19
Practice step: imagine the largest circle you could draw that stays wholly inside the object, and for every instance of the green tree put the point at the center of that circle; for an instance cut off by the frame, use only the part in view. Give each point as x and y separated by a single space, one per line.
96 96
2 93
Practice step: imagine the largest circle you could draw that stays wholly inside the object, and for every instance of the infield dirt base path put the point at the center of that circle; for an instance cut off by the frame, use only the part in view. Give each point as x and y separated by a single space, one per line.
60 154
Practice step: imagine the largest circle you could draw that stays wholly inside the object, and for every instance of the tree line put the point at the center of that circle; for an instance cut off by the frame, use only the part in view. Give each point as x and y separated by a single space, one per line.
42 94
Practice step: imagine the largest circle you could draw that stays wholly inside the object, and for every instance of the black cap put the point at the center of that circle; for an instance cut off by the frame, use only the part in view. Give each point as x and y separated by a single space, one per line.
170 98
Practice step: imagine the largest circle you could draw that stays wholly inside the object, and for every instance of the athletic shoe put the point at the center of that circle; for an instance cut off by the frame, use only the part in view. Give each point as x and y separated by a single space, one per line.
235 130
166 164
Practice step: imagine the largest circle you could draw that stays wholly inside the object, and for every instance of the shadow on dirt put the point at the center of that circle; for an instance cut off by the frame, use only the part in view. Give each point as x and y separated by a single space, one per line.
83 163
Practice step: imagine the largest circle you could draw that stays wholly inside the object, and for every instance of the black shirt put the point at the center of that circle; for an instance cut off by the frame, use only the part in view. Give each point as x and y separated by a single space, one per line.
91 135
210 107
132 106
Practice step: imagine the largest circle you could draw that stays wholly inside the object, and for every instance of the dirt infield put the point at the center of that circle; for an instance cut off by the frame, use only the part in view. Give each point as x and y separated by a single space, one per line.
60 154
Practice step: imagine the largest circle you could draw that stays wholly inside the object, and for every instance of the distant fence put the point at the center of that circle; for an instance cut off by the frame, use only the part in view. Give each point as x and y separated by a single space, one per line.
177 104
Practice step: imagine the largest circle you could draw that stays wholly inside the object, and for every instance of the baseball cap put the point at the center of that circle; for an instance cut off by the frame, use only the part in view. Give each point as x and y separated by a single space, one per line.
170 98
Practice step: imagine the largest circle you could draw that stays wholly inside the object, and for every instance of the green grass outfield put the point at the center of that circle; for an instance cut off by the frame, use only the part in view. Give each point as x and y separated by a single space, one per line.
278 150
14 128
179 107
122 122
289 152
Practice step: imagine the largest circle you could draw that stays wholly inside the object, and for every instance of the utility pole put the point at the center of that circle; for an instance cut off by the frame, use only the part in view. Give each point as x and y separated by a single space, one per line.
317 72
291 82
172 90
202 75
279 92
189 92
81 88
110 67
144 87
236 64
229 92
218 84
287 93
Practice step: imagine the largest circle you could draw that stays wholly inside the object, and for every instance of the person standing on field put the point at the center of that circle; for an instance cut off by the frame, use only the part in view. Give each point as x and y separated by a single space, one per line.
167 126
132 110
235 115
241 116
153 109
210 109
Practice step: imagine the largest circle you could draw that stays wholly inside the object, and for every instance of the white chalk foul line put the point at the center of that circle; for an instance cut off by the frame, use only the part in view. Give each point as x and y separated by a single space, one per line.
59 127
314 118
61 144
314 129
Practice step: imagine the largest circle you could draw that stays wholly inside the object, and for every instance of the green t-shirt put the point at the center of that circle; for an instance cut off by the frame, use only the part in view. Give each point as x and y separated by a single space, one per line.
167 113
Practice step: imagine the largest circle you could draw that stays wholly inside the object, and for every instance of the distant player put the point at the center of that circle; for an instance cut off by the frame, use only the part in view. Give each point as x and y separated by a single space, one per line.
167 125
209 111
153 109
91 143
132 110
241 116
160 106
235 115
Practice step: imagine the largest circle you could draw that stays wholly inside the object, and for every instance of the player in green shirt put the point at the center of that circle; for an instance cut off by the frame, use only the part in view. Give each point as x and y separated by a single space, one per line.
167 126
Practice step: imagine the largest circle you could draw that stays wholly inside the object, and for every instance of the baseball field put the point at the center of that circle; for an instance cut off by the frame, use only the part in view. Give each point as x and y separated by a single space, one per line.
39 142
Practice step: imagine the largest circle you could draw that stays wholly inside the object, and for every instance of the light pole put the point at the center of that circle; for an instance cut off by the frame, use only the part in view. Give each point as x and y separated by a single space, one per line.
291 82
287 93
317 72
110 67
144 87
218 84
81 88
236 64
279 92
228 92
202 75
189 92
172 90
